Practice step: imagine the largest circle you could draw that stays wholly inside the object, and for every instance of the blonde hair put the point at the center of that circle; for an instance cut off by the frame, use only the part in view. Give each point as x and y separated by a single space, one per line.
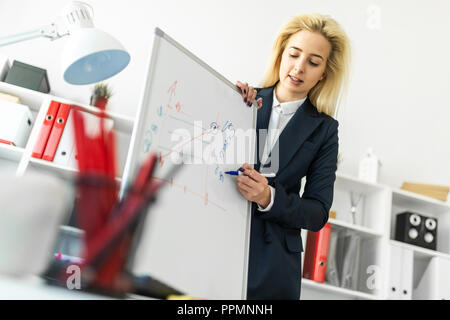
325 94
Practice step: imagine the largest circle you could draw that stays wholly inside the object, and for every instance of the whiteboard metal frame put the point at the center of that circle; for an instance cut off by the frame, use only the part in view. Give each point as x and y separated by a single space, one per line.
133 151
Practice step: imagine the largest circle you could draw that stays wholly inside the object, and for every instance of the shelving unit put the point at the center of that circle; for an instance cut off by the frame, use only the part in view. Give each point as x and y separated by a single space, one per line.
419 252
20 158
375 224
363 231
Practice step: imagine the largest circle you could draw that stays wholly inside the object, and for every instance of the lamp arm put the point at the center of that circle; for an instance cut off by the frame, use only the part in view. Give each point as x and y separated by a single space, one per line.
48 31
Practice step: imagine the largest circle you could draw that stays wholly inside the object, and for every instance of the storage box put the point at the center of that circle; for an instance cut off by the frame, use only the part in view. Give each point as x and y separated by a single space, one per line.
15 123
28 76
429 190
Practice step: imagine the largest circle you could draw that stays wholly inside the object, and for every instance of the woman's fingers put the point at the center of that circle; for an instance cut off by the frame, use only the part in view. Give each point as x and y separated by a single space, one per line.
251 96
244 89
248 93
244 188
246 181
253 174
259 101
256 176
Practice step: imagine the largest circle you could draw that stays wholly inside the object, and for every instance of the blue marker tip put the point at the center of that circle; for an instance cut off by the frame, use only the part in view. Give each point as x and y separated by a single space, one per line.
233 173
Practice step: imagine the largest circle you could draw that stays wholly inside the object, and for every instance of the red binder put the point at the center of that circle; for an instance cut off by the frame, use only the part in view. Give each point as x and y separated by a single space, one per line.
46 128
56 133
316 254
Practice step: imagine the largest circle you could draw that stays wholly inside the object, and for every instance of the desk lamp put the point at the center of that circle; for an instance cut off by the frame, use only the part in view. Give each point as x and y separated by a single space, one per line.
90 55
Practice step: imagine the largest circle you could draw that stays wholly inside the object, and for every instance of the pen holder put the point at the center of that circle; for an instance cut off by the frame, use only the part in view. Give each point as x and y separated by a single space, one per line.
96 196
96 199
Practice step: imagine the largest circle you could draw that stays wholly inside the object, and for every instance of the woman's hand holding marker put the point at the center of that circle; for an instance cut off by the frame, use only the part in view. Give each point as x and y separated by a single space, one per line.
253 186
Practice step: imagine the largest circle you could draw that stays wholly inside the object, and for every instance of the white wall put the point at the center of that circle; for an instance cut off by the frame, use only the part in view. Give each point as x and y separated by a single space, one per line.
397 100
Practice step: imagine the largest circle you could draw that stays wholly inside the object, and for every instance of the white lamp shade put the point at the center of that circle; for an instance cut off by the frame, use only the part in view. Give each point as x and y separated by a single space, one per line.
91 56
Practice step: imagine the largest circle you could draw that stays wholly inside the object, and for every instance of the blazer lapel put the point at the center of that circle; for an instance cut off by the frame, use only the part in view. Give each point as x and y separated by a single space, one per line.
299 128
262 121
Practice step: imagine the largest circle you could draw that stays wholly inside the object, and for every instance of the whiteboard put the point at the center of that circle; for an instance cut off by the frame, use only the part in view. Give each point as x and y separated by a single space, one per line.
196 236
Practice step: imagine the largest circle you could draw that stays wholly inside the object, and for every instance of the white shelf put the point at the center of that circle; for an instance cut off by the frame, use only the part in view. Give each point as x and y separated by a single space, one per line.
30 98
406 199
63 171
364 231
10 152
309 284
347 182
60 170
419 252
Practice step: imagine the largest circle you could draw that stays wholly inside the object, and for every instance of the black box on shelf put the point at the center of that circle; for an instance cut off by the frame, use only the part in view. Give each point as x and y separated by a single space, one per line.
28 76
416 229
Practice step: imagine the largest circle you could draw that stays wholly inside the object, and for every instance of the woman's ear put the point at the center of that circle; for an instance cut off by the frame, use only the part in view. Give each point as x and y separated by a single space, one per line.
323 76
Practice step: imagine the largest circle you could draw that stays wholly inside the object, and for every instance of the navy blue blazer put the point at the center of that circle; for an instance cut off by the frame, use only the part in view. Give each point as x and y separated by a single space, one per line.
308 146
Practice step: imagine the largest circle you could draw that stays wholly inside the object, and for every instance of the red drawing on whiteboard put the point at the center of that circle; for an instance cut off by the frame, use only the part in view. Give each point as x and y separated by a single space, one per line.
186 190
172 89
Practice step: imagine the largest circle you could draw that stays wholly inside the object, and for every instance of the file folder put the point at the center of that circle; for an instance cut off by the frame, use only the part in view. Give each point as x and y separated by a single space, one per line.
351 242
66 153
56 133
316 254
395 274
332 272
407 274
46 128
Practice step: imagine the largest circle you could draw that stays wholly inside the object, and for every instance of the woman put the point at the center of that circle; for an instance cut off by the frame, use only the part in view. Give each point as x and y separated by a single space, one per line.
296 105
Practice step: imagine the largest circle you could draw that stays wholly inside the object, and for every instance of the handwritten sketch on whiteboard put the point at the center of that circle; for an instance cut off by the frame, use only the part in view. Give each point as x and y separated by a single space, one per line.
196 235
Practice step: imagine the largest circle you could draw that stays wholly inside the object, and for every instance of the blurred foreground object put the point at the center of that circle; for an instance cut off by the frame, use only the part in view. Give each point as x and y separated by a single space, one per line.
109 223
429 190
32 208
